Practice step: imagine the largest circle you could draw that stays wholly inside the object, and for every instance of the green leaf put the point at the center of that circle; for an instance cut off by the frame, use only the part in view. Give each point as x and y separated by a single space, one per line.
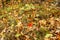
17 35
48 35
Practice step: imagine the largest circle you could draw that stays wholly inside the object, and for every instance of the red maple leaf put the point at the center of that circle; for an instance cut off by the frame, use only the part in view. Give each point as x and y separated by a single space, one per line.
30 24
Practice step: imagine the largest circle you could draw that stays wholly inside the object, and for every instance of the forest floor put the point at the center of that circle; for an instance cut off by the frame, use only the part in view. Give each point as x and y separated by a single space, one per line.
30 22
